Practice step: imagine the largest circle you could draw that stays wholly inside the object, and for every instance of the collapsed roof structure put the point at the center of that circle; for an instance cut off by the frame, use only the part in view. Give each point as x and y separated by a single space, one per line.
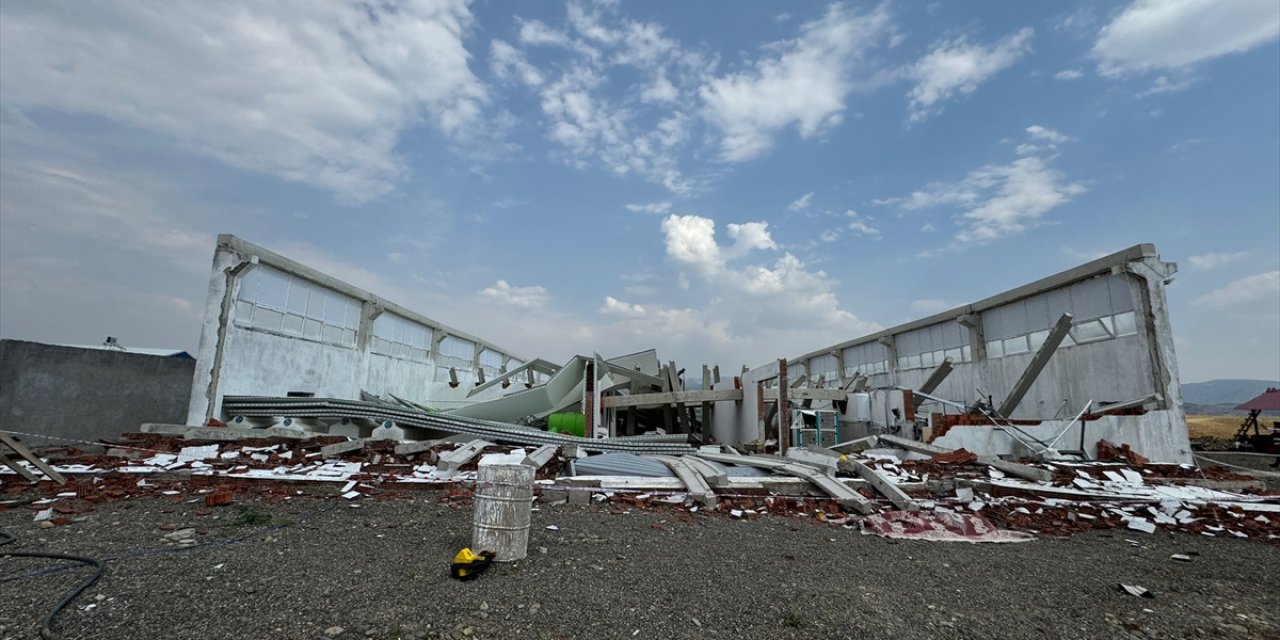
1001 376
1054 406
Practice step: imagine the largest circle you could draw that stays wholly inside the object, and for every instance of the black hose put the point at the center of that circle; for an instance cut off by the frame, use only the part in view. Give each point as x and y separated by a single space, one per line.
46 625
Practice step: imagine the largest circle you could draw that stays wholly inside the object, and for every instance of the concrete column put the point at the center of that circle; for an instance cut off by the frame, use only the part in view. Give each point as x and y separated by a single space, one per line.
224 283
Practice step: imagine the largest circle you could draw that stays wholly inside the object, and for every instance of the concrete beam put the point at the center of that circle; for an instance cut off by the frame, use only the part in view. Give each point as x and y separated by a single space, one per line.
540 456
1029 375
1012 468
693 481
452 460
338 448
839 491
410 448
939 374
882 484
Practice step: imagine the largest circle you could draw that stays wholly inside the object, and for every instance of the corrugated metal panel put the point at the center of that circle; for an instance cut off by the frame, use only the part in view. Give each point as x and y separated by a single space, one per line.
621 464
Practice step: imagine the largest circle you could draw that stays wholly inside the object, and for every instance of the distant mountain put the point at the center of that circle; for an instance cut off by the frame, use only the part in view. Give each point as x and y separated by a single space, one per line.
1230 392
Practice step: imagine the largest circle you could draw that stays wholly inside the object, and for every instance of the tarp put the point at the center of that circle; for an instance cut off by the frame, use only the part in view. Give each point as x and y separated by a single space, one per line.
1269 400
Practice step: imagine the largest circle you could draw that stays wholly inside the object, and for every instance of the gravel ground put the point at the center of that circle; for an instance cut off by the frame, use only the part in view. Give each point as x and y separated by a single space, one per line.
380 571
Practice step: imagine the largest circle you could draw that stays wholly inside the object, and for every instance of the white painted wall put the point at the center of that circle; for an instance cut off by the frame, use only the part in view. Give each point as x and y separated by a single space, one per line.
236 358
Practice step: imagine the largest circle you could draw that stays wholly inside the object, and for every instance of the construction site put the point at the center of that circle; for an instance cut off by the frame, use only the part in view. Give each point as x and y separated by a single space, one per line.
345 466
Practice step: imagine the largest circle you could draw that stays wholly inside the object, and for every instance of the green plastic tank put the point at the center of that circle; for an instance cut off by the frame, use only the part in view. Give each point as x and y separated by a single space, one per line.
574 424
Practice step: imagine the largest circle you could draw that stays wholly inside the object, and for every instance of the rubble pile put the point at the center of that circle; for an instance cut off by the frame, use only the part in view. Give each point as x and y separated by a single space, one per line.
883 485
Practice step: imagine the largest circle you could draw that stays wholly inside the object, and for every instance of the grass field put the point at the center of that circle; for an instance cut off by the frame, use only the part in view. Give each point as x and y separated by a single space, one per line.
1224 427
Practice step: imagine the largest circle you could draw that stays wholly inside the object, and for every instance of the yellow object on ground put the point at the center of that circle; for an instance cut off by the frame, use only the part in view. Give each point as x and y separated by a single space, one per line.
468 564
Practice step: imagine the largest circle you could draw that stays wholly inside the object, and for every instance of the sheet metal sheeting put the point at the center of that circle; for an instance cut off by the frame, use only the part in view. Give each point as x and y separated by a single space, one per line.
620 464
267 407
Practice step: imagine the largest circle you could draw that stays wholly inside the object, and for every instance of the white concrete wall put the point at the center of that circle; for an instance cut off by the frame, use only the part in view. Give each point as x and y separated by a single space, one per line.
235 358
1138 362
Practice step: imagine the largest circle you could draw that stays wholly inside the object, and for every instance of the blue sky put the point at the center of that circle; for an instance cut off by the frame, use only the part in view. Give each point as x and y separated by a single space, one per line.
727 182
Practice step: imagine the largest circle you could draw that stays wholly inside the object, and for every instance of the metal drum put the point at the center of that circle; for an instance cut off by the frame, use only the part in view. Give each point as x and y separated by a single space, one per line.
504 495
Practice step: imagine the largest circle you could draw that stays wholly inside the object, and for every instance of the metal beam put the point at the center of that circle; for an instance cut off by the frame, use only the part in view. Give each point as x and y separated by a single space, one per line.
631 374
771 394
1059 331
670 397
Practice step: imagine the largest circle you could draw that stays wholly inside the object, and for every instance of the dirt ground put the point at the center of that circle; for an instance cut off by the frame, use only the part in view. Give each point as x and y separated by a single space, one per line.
317 567
1223 427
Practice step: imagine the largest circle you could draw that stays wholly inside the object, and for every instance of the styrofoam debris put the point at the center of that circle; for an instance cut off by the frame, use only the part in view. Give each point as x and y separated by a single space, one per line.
1141 524
513 458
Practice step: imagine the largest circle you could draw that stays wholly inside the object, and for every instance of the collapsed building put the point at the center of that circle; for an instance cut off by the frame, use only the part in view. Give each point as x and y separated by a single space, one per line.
1055 365
1054 406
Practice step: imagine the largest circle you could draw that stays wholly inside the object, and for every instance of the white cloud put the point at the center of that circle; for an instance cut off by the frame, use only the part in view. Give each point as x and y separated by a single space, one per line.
1037 132
316 93
803 83
691 241
1068 74
955 68
748 237
1163 84
509 62
73 201
537 33
830 235
615 307
520 297
860 224
929 306
657 208
1214 260
801 203
1171 34
999 200
1247 289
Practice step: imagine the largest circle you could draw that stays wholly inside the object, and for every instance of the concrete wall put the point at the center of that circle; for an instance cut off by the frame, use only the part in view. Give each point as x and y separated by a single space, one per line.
1120 348
88 394
273 326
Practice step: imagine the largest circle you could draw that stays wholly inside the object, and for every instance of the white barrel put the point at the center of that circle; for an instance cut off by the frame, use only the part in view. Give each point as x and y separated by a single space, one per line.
860 407
504 495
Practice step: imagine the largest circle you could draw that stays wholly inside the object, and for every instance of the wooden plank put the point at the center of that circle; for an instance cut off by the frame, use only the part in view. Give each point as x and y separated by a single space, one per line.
18 468
23 451
882 484
670 398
